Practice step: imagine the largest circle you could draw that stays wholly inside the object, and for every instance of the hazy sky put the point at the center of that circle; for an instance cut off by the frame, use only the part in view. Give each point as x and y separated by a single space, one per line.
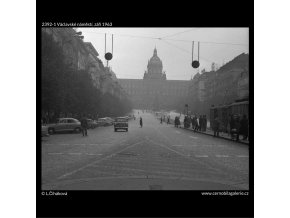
133 47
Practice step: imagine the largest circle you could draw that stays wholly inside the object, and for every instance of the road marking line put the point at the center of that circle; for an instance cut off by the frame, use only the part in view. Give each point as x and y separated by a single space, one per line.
193 137
74 153
93 154
164 146
201 155
54 153
242 156
218 155
97 161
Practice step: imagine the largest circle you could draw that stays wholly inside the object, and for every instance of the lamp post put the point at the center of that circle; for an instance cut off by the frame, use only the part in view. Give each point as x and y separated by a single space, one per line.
186 105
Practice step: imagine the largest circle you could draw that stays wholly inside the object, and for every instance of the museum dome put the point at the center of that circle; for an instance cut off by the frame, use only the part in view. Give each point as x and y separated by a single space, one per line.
155 60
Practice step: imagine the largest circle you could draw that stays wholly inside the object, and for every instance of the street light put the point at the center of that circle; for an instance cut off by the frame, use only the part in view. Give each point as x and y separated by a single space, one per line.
186 105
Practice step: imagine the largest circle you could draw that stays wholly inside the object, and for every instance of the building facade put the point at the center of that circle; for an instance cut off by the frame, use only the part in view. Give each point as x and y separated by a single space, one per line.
154 91
220 87
82 56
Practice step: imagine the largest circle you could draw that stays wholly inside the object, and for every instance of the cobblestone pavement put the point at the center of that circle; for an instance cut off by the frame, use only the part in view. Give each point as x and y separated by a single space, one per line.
157 156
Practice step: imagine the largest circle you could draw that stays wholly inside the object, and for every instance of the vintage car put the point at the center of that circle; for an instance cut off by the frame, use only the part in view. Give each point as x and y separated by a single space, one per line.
44 130
65 124
104 122
121 123
92 124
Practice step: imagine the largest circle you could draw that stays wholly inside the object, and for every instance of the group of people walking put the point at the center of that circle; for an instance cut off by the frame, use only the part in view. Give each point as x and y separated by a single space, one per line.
177 122
165 119
199 123
236 126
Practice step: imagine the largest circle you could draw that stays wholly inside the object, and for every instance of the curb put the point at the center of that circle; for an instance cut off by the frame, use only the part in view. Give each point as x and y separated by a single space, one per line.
221 137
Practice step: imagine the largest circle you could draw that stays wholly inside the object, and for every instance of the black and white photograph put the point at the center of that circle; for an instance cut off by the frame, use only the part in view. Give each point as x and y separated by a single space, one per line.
145 108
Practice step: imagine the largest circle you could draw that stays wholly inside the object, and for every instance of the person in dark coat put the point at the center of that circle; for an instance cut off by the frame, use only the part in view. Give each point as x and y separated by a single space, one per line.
205 122
200 121
232 126
194 121
216 126
84 124
238 127
141 122
244 127
161 119
184 121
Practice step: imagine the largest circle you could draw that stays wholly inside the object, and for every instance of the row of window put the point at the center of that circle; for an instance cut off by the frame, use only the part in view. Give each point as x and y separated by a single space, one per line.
150 92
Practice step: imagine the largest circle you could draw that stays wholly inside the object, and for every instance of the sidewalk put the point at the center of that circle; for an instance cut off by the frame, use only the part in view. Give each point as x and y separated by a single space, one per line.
221 135
208 131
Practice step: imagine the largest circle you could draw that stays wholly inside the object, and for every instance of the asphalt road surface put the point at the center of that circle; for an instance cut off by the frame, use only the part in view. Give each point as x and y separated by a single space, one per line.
155 157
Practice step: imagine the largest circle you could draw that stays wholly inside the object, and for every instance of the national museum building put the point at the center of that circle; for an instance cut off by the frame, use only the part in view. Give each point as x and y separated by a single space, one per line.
154 91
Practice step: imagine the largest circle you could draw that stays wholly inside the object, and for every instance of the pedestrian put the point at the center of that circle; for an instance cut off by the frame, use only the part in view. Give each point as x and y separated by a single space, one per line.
216 127
175 121
205 123
232 127
228 125
168 120
200 122
193 121
84 125
244 127
238 126
161 119
141 122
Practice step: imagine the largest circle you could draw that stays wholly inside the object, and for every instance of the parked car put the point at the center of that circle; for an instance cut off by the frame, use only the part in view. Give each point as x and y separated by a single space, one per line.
44 130
127 117
65 124
92 124
121 123
110 120
104 122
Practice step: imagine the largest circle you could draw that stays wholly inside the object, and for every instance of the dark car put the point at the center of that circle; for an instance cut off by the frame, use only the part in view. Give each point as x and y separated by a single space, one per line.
121 123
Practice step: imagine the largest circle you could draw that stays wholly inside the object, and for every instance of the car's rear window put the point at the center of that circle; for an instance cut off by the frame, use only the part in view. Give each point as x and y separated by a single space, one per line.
121 120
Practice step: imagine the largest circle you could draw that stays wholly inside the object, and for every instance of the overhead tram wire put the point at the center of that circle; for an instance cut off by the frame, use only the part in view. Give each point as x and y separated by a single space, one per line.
165 40
188 52
177 40
178 33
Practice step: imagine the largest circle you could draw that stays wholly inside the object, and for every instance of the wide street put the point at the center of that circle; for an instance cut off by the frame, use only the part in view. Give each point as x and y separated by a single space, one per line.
155 157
